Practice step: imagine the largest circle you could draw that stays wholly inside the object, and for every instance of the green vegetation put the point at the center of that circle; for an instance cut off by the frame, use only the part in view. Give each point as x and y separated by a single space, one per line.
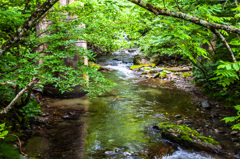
234 118
163 74
140 66
3 132
136 67
186 74
94 65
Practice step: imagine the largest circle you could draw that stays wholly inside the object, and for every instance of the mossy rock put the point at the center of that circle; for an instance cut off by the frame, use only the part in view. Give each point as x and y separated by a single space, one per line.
186 74
94 65
136 67
163 74
188 137
140 66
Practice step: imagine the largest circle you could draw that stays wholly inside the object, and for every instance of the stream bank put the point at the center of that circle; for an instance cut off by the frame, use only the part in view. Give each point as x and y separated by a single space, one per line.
119 123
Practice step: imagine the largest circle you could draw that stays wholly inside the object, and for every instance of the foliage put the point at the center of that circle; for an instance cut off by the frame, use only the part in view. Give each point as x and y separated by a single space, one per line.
3 132
163 74
31 109
8 152
186 74
234 118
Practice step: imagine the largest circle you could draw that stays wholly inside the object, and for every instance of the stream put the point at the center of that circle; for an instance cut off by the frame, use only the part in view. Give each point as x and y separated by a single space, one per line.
117 124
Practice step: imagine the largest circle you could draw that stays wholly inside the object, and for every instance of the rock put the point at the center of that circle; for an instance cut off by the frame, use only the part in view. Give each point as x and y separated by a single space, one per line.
110 153
234 133
205 104
45 114
177 116
215 114
70 113
153 71
47 106
127 153
65 116
187 122
179 122
37 89
234 139
156 75
189 138
132 50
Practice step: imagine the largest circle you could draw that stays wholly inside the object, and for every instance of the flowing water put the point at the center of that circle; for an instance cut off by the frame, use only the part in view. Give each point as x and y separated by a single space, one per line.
117 124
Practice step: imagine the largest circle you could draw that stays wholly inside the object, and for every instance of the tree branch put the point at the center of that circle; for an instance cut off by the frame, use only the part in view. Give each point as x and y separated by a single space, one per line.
31 84
219 35
27 25
158 11
178 6
236 2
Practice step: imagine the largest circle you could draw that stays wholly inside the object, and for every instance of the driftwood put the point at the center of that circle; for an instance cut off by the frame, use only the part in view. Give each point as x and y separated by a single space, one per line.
11 104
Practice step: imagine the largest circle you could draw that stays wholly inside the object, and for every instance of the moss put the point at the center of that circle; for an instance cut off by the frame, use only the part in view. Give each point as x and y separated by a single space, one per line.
177 73
140 66
94 65
136 67
170 70
185 133
147 68
153 71
8 152
186 74
163 74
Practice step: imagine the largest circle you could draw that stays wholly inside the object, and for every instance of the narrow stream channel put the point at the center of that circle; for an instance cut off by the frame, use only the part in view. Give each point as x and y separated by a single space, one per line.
115 125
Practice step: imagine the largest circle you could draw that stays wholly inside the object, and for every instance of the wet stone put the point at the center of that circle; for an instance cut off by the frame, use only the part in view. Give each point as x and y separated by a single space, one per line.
179 122
65 116
70 113
234 139
234 133
110 153
205 104
177 116
45 114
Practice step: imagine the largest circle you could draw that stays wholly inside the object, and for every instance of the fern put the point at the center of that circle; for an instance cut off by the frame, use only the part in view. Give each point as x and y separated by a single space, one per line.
234 118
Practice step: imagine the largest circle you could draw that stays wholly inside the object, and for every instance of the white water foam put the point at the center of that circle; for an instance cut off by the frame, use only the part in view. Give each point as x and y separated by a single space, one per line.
181 154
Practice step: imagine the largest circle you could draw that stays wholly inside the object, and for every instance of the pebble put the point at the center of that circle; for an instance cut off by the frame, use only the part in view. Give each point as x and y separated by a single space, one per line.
65 116
179 122
45 114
